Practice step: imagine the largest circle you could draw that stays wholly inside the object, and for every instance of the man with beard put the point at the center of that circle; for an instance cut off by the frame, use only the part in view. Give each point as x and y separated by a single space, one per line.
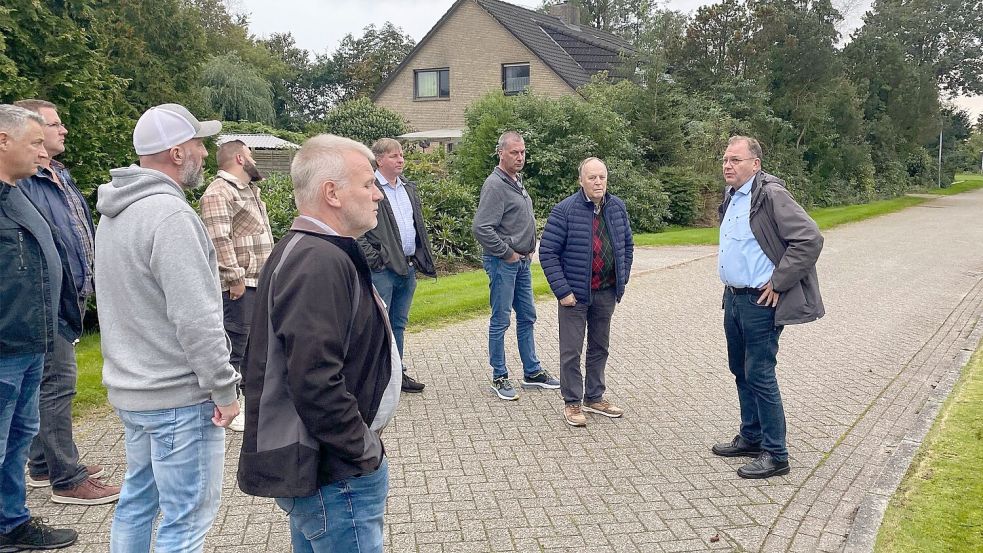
166 357
236 220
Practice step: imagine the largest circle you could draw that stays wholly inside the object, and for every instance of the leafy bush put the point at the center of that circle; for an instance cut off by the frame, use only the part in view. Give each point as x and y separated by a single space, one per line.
278 193
361 120
558 134
448 210
448 207
686 190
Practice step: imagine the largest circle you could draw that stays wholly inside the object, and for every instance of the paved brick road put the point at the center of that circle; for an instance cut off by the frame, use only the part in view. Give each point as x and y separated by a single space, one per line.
472 473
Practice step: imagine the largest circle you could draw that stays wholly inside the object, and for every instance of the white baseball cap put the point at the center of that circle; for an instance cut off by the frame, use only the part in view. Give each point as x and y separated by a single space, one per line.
167 125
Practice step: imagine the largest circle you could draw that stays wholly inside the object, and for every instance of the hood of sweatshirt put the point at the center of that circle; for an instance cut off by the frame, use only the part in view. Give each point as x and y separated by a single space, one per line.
131 184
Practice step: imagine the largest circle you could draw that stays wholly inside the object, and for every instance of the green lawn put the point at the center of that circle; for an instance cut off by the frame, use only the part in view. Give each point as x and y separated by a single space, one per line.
938 506
457 297
964 183
826 218
91 394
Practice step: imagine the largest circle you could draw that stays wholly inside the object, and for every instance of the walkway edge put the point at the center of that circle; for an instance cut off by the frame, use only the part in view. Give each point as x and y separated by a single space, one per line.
870 514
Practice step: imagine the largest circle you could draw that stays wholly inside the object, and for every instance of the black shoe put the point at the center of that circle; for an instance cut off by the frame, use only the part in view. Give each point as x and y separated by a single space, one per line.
765 466
738 447
412 386
35 534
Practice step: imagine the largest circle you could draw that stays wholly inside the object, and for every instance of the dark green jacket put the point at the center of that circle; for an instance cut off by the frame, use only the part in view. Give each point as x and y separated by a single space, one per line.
382 246
791 240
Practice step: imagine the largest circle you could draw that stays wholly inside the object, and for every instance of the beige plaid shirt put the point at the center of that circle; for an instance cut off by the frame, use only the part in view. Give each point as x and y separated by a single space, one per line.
236 220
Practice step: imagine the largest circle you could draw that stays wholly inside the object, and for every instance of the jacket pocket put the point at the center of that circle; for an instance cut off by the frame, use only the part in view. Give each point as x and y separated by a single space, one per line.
245 222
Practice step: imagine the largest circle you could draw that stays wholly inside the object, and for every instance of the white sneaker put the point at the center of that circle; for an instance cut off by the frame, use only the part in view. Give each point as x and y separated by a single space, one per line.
238 424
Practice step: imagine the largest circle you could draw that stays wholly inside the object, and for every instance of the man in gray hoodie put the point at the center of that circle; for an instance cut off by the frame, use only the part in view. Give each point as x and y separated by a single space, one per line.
166 354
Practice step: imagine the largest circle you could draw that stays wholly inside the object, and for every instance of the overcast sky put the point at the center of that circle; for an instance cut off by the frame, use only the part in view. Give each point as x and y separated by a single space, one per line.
319 25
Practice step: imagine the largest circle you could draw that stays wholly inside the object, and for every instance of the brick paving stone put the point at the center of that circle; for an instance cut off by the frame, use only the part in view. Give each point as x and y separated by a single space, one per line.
471 473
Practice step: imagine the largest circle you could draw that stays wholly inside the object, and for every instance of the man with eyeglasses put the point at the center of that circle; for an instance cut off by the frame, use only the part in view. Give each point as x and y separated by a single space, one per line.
54 457
767 261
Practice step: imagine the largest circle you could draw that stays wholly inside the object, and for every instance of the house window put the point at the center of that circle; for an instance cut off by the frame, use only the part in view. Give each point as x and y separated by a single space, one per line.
515 78
432 83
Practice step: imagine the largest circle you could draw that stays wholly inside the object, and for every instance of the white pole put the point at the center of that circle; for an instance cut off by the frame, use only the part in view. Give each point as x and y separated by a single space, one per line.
940 158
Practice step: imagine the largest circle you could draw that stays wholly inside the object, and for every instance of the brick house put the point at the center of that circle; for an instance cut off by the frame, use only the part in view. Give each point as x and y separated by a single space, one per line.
484 45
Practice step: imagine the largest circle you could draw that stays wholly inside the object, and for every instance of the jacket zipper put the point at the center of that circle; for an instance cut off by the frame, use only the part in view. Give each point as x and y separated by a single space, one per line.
20 250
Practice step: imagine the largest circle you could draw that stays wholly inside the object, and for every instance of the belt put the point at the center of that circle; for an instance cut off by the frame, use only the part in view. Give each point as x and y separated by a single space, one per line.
742 291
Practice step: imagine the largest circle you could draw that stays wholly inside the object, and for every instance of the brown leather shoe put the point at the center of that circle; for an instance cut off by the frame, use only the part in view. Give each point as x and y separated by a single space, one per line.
573 415
90 491
43 480
604 407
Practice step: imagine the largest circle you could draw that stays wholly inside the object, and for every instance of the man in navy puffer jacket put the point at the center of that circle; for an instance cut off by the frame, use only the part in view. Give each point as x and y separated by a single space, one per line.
586 253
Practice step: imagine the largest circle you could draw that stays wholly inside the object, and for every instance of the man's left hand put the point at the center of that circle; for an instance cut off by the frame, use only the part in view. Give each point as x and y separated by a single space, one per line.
768 297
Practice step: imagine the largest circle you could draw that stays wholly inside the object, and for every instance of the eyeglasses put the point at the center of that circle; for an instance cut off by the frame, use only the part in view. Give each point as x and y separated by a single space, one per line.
735 160
57 125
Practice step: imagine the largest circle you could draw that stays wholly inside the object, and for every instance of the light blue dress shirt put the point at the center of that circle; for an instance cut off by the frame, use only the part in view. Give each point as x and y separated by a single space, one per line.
399 200
742 263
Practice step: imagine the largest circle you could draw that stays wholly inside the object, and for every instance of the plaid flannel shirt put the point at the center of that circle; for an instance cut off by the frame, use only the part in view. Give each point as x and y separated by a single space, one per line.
236 220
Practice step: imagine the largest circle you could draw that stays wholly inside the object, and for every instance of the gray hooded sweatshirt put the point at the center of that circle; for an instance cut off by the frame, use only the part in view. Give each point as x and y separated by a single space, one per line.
160 301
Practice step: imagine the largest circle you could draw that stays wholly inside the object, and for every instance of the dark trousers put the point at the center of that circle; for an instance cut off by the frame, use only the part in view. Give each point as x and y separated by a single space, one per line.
596 319
53 450
752 348
238 315
397 293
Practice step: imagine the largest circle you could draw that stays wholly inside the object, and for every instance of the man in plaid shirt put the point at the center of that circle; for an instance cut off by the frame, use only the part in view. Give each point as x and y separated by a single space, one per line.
236 220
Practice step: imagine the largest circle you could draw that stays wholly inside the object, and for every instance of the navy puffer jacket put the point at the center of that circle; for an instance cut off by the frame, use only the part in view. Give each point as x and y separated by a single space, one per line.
566 249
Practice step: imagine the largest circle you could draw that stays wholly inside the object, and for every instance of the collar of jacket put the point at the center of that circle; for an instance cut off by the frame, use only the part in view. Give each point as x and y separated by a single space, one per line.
516 183
303 224
231 179
597 208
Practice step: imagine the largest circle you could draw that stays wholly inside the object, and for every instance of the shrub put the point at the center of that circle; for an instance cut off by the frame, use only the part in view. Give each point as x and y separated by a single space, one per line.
448 210
558 134
686 190
361 120
448 207
278 193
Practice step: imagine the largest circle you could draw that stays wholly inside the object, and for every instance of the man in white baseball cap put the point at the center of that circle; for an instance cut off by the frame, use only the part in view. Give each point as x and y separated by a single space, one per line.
166 355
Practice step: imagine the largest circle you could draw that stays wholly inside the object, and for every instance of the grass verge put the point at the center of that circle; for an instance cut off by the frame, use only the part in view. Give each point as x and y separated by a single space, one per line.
937 506
964 183
826 218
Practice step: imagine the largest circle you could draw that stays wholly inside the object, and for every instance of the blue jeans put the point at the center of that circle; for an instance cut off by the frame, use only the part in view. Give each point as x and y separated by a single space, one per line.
174 462
342 517
53 452
752 347
20 380
397 293
510 287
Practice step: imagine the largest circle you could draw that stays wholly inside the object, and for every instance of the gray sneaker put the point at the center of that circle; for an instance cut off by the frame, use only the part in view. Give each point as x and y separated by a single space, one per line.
502 386
541 379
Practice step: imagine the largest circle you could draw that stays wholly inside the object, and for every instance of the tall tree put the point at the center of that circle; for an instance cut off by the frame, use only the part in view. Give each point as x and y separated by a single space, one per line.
626 18
366 61
234 90
945 36
45 52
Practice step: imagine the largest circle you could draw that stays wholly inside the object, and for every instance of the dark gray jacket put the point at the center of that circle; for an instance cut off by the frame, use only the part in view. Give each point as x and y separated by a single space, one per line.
504 221
382 246
791 240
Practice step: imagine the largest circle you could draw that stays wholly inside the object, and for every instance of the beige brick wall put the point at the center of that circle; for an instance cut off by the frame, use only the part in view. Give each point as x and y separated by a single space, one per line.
474 46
